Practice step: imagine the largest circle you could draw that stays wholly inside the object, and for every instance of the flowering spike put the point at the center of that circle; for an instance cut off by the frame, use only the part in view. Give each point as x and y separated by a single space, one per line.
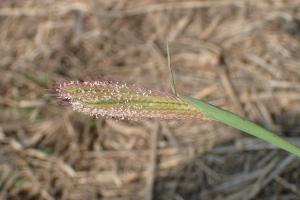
115 100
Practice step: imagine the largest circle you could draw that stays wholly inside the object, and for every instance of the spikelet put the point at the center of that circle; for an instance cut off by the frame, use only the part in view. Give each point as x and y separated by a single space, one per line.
114 100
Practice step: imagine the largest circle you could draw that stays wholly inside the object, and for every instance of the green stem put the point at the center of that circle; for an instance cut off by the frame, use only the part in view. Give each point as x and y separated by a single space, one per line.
242 124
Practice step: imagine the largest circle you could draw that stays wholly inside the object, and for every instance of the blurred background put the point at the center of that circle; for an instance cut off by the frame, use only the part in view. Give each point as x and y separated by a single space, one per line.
242 55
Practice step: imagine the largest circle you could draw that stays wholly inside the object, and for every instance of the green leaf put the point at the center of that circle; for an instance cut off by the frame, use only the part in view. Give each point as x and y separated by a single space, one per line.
21 181
242 124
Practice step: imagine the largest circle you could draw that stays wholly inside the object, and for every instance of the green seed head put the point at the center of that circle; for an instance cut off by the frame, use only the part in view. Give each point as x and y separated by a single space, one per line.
114 100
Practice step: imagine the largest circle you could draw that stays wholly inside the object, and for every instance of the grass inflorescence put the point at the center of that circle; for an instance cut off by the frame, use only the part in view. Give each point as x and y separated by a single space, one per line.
116 100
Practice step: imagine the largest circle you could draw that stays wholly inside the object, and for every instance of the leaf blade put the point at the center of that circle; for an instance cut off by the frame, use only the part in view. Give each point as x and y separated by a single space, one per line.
242 124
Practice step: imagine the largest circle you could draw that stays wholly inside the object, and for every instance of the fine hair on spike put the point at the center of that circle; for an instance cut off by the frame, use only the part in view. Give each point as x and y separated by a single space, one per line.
121 101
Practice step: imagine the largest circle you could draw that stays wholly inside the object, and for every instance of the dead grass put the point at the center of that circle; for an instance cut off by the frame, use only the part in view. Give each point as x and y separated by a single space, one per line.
242 55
